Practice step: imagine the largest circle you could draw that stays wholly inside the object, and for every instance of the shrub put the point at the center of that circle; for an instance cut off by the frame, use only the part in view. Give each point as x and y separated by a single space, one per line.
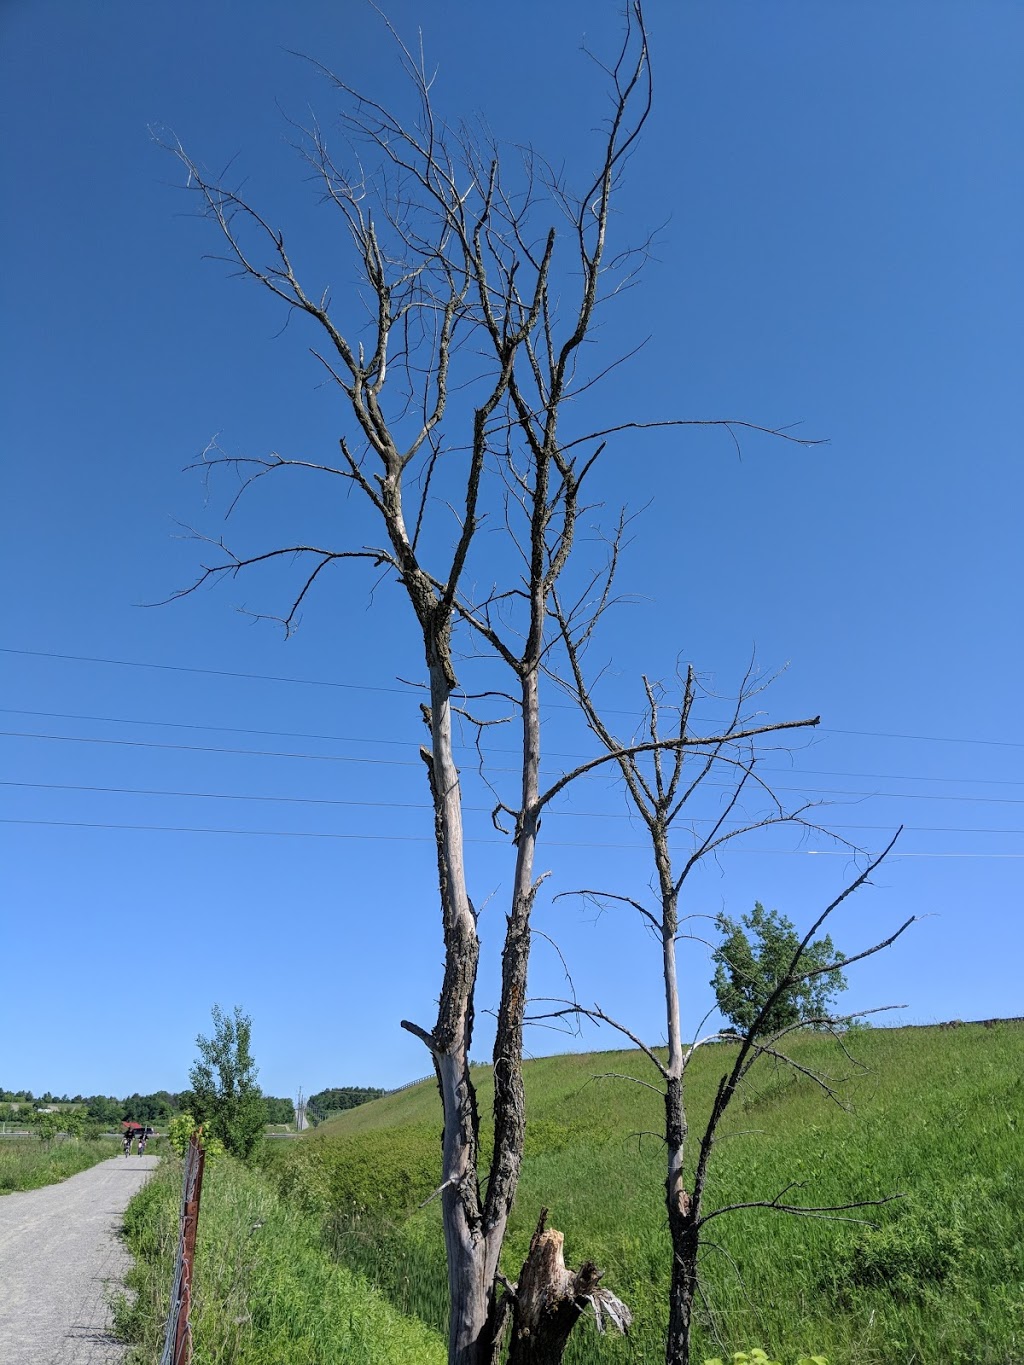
265 1291
180 1129
920 1246
755 1356
302 1178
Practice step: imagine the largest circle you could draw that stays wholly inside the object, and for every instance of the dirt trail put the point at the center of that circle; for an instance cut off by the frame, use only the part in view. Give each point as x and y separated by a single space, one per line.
59 1252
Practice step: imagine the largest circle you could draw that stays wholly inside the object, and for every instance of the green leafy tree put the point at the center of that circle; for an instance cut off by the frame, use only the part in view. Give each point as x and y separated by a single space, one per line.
755 955
181 1128
278 1109
105 1109
49 1126
225 1097
155 1108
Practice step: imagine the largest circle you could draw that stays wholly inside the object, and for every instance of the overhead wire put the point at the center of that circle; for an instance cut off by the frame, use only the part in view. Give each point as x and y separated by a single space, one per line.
206 672
411 763
406 691
423 838
396 762
215 749
425 806
489 748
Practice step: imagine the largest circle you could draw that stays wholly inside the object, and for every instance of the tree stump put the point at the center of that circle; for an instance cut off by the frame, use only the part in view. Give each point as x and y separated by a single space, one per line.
550 1298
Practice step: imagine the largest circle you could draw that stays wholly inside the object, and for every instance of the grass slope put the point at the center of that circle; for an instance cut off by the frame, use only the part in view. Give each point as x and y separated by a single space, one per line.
937 1114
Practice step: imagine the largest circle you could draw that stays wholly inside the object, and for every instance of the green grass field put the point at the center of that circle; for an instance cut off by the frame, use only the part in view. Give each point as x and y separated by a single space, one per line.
938 1115
266 1291
28 1164
325 1255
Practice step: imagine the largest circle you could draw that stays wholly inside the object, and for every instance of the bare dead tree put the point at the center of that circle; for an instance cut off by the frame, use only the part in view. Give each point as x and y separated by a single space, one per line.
662 783
454 362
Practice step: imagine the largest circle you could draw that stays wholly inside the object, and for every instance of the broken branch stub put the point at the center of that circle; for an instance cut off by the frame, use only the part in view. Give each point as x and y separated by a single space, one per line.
550 1298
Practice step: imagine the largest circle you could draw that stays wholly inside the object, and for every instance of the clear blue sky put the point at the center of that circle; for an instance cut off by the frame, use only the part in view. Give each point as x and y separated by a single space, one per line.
839 194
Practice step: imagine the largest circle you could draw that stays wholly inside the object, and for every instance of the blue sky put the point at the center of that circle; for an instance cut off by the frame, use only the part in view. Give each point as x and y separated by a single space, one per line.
839 200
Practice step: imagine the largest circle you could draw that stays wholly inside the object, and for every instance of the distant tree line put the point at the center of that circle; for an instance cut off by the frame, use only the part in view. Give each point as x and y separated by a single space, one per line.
158 1108
342 1097
27 1097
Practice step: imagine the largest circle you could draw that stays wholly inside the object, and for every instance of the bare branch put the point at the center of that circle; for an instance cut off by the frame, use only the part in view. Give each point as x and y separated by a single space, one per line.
830 1211
422 1034
617 755
596 1013
598 896
235 564
731 424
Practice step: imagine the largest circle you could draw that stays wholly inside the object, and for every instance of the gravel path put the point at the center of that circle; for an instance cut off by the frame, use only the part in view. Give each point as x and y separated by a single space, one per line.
59 1252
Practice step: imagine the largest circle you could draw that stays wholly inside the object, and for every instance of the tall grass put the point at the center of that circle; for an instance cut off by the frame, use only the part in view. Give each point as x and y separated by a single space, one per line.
28 1164
936 1116
266 1293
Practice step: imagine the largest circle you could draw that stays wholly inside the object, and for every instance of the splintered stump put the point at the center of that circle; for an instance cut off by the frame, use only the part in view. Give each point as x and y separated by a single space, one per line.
550 1298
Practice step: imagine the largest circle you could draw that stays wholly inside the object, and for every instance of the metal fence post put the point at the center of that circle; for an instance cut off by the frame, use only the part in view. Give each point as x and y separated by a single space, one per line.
178 1338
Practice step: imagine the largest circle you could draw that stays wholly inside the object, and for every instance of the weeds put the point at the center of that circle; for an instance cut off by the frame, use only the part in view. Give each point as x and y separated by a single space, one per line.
28 1164
936 1115
331 1253
266 1293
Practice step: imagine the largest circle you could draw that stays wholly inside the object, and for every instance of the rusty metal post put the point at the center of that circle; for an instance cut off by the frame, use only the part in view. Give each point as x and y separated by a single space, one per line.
189 1224
178 1340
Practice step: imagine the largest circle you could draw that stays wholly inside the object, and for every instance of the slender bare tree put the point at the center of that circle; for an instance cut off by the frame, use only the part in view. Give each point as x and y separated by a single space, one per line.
480 276
663 783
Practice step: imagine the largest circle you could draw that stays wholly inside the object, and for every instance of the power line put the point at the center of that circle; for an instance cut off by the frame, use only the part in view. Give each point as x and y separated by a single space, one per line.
399 691
406 691
263 833
489 749
410 763
425 806
425 839
222 729
235 796
927 739
211 749
206 672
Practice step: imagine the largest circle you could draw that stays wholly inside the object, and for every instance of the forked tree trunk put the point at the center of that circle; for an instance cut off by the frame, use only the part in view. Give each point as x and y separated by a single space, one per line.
454 262
682 1208
465 1246
467 1285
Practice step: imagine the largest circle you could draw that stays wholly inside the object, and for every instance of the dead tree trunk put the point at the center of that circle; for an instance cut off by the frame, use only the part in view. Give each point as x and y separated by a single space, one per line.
550 1299
451 259
683 1222
684 1233
450 1044
676 767
549 1302
468 338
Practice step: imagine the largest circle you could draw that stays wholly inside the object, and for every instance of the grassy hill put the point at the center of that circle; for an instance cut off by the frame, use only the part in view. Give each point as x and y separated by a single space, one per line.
937 1114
